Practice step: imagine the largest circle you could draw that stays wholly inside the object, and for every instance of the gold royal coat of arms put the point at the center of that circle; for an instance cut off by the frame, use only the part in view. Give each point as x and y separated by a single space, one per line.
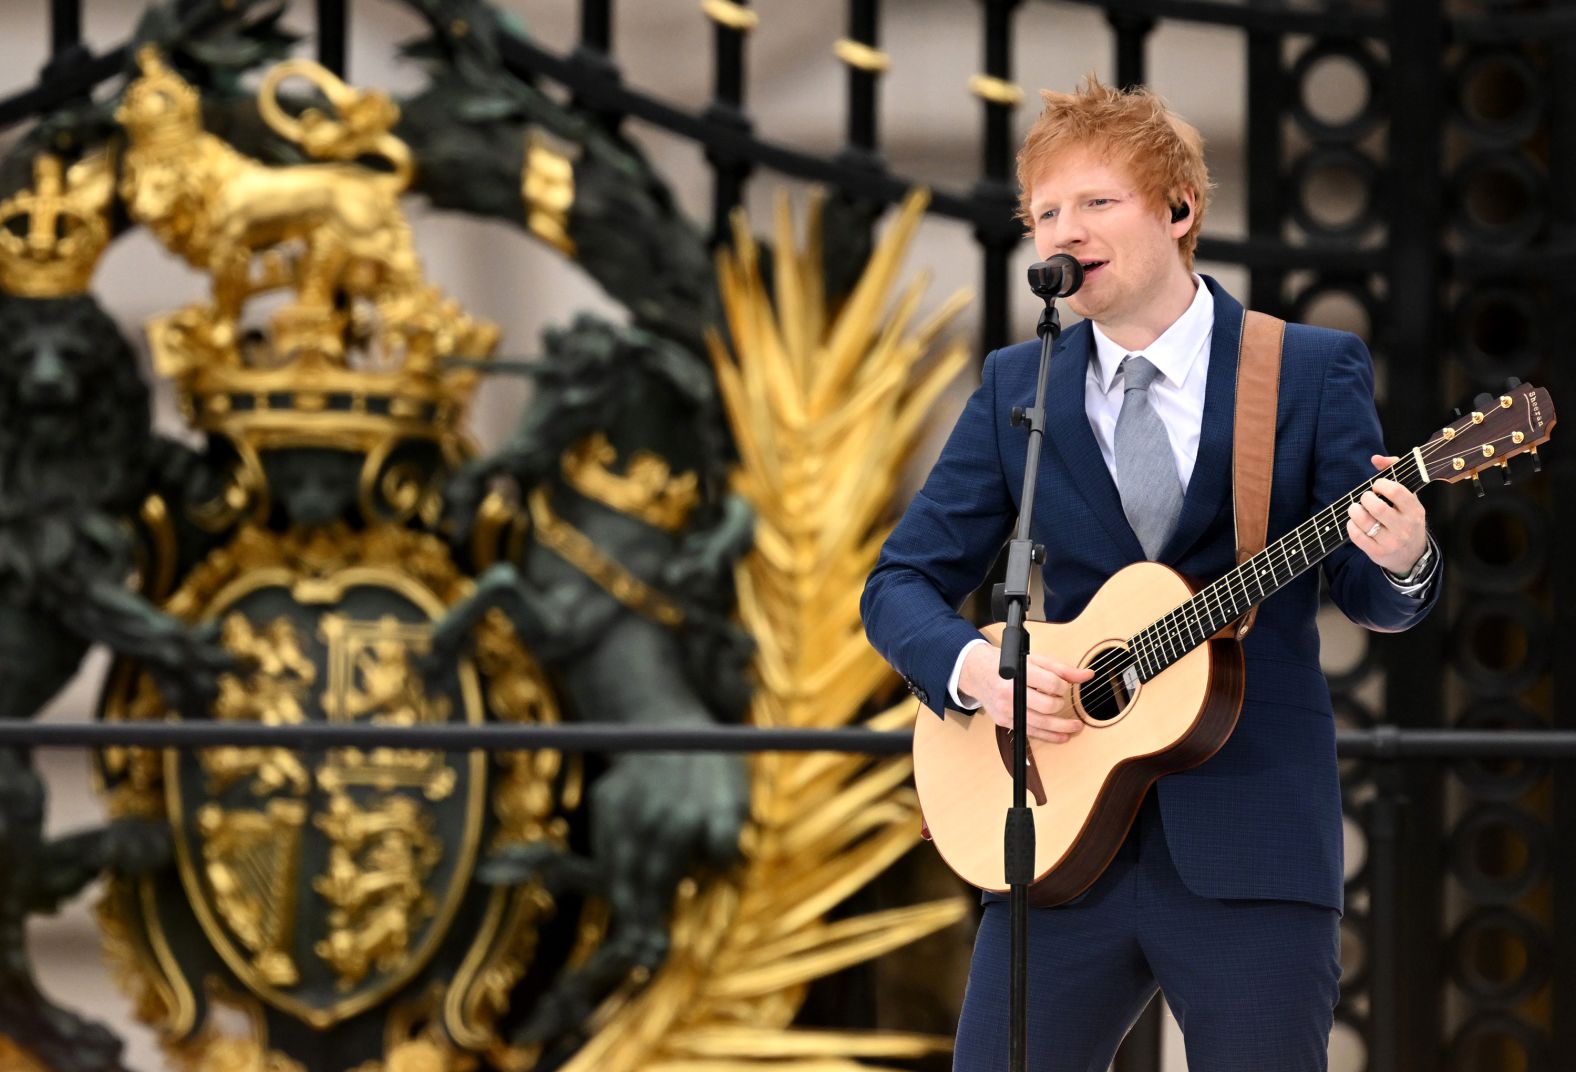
378 908
322 883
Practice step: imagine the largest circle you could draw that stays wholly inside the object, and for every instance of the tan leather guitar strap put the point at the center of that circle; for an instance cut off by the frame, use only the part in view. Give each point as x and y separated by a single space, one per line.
1253 437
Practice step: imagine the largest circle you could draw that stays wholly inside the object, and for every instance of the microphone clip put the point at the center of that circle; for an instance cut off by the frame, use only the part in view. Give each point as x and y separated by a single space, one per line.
1050 321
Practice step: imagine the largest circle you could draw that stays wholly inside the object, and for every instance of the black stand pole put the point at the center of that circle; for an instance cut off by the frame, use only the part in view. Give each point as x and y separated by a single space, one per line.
1022 554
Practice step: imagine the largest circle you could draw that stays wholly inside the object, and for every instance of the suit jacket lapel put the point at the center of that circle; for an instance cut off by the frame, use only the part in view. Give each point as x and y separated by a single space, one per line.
1067 424
1211 478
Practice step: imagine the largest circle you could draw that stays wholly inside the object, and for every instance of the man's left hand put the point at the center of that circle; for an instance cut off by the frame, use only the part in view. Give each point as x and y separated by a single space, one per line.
1388 524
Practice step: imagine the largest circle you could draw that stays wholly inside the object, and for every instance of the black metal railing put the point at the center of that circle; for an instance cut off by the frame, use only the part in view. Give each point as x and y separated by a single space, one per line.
1384 819
1388 744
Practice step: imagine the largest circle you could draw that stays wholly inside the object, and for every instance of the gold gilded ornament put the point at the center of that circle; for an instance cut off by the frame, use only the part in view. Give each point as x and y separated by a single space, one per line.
159 992
861 56
275 693
359 128
647 490
429 1053
547 188
372 896
376 910
745 945
525 804
995 90
576 548
356 355
378 864
239 1055
51 235
212 1049
251 859
371 678
731 14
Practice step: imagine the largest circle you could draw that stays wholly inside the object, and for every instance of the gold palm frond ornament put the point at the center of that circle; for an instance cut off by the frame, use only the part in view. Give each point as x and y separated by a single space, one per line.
826 409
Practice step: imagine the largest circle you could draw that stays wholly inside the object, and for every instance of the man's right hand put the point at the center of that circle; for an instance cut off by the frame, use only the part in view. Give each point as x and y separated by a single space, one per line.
1051 717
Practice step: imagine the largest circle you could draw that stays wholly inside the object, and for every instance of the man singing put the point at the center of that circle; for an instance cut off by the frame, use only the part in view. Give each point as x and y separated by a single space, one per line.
1226 894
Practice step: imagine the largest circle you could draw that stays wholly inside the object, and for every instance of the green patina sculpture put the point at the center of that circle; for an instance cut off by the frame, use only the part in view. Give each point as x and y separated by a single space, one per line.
621 583
669 655
39 876
77 458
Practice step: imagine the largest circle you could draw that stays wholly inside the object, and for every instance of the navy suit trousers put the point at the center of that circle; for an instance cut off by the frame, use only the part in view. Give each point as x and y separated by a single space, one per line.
1253 984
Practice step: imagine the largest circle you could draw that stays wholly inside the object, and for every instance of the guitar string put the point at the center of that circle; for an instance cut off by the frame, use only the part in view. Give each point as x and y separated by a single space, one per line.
1107 668
1164 637
1228 598
1115 661
1178 632
1235 583
1166 630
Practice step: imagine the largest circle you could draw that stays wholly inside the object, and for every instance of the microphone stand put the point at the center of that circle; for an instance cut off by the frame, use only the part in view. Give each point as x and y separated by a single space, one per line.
1022 554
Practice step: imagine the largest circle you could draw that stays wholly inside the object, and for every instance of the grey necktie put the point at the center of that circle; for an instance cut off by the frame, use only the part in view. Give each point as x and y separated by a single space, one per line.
1146 471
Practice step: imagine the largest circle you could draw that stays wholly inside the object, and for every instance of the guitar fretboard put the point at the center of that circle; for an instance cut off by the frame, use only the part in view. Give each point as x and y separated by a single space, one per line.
1162 643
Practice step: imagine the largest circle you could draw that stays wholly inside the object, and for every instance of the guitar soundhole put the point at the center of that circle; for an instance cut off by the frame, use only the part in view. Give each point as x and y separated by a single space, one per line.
1109 695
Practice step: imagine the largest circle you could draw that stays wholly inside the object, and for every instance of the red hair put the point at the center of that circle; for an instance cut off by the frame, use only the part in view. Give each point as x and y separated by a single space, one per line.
1134 128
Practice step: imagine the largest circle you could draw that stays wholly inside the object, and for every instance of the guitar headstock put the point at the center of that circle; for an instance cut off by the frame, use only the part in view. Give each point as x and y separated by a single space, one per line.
1520 420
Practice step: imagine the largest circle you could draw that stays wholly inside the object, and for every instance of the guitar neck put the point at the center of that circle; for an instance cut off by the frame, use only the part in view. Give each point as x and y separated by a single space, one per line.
1163 642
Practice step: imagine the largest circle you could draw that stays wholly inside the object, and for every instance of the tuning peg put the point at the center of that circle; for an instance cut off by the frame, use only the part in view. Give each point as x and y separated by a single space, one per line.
1512 382
1485 401
1504 473
1537 462
1477 486
1456 412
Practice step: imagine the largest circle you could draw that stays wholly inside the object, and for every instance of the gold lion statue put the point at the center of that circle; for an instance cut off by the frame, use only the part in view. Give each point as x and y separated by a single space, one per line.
322 229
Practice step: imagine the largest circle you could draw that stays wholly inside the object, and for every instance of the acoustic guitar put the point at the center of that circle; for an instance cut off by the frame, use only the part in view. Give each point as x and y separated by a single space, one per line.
1167 685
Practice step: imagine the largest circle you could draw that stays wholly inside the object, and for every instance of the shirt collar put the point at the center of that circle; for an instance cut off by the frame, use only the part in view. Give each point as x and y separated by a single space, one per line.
1175 354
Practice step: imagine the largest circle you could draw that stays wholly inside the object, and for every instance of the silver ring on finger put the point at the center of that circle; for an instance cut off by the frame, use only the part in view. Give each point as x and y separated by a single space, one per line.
1372 532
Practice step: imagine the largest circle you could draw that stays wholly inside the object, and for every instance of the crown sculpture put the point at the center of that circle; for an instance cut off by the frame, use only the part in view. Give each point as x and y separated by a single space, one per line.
359 354
51 235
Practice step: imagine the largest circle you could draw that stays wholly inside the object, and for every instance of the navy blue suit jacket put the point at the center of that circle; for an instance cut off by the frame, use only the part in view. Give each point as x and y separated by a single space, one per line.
1262 818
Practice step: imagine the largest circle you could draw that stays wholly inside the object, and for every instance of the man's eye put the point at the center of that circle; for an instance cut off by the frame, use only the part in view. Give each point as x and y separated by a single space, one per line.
1100 201
1048 214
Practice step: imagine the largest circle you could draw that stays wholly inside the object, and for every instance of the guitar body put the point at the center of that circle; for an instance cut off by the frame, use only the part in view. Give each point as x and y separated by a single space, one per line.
1085 792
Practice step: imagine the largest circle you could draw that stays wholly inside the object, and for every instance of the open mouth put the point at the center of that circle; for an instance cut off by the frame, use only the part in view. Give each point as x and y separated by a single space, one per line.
1091 267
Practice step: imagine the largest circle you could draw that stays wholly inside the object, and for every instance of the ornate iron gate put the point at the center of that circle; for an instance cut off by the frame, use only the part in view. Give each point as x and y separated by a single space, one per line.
1455 243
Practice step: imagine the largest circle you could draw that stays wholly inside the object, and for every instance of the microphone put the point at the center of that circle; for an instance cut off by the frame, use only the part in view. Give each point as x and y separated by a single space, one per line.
1056 277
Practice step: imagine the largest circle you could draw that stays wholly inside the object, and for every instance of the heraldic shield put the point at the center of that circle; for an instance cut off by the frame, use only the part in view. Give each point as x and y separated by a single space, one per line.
325 882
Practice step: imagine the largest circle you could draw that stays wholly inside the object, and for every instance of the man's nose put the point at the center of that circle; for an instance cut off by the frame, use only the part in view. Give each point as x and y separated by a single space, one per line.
1067 231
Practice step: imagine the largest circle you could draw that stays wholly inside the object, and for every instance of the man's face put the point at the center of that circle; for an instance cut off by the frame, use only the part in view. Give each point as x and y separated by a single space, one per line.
1090 208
